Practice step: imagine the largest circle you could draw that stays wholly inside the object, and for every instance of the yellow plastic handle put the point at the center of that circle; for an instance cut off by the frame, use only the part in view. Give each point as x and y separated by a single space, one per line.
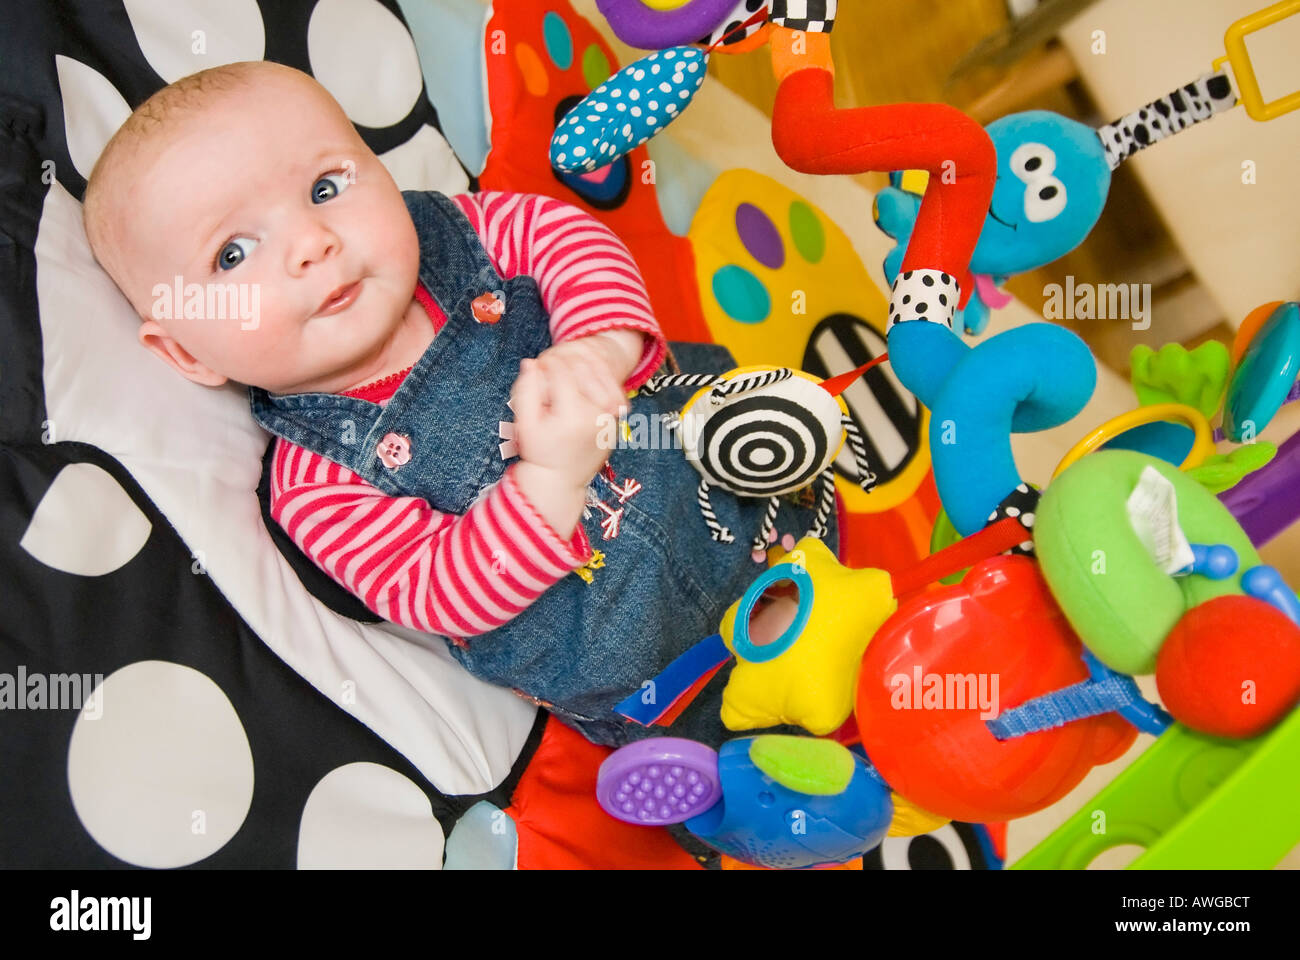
1202 445
1234 42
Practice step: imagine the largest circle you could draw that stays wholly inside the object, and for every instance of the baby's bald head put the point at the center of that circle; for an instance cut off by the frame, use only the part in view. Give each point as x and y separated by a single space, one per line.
256 235
178 108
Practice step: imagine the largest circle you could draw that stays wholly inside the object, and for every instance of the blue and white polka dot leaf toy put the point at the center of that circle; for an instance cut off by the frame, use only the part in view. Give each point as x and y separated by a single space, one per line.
628 109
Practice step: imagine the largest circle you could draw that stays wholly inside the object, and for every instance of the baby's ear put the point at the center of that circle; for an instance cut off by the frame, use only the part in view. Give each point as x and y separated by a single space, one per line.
157 340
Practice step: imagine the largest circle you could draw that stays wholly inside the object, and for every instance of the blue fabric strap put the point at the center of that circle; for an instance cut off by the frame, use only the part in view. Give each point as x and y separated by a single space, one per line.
1104 691
647 705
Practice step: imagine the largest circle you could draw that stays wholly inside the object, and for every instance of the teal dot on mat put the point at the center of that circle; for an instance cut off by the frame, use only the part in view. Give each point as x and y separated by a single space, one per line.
806 229
741 294
559 42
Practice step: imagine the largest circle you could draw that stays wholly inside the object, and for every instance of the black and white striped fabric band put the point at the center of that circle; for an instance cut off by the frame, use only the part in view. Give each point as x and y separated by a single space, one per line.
1163 117
811 16
667 381
930 295
748 381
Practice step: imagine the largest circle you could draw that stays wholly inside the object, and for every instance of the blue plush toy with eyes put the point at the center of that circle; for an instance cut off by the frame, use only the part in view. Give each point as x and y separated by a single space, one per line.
1052 183
1053 179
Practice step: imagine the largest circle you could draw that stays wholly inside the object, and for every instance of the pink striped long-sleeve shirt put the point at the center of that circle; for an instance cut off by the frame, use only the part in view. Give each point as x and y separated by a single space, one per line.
462 575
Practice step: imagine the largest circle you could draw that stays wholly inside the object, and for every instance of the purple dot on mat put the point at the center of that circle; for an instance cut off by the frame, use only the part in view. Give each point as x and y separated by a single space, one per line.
653 773
698 789
660 793
692 777
620 798
627 808
665 812
679 791
634 778
675 771
760 236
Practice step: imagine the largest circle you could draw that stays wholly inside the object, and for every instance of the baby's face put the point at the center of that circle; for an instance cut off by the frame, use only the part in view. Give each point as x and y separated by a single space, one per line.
298 238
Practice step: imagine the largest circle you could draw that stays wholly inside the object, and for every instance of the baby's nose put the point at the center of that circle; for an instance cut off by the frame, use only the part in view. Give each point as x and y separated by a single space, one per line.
314 245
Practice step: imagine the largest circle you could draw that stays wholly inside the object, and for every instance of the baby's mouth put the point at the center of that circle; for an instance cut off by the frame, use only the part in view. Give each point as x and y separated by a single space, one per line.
340 299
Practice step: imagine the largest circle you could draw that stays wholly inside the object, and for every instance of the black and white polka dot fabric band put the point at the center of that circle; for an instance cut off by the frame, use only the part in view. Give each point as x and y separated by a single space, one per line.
743 10
1021 504
1170 114
923 295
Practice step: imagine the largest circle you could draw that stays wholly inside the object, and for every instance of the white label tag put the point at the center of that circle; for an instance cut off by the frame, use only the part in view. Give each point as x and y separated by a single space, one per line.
1153 511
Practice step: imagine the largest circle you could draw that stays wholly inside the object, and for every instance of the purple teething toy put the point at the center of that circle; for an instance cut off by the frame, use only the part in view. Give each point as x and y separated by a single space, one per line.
640 26
659 781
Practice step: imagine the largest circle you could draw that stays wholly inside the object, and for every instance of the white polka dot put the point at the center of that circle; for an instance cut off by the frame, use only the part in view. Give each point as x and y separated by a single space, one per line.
484 838
92 111
1013 511
579 130
668 55
1026 544
655 69
614 93
579 151
639 75
159 768
363 55
185 36
559 157
622 107
1027 519
685 95
602 107
368 816
426 162
636 111
666 88
85 524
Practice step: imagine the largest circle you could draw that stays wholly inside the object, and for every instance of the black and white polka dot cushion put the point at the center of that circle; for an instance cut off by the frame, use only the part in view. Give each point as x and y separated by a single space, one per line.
240 722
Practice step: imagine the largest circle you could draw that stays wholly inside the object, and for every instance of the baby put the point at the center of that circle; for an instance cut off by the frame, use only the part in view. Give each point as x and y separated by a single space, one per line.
441 374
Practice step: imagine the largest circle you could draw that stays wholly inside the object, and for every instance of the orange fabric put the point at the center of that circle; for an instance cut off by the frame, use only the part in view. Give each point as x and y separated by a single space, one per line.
562 827
751 42
794 50
524 103
812 135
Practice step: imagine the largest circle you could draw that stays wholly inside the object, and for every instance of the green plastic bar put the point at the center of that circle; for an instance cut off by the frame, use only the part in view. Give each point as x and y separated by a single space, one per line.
1194 802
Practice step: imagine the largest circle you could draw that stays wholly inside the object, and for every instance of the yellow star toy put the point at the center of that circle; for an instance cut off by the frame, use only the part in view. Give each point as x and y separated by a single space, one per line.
808 675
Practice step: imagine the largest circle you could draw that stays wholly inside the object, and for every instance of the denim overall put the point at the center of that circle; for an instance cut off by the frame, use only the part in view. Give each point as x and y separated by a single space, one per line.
581 647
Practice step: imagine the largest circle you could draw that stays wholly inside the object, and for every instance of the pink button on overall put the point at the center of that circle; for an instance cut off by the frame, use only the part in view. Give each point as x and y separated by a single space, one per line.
394 450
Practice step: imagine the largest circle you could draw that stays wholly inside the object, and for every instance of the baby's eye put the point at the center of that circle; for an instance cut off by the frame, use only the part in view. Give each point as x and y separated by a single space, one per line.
234 252
329 186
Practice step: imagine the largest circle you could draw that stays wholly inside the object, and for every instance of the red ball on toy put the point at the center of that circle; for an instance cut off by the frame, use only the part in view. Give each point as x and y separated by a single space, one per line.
1231 667
948 661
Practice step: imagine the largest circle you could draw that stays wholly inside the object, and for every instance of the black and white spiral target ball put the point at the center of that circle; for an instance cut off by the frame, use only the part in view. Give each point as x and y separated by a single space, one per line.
764 442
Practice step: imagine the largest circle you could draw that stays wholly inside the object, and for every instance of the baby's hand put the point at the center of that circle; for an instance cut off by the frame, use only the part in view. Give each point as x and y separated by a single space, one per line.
618 350
563 402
